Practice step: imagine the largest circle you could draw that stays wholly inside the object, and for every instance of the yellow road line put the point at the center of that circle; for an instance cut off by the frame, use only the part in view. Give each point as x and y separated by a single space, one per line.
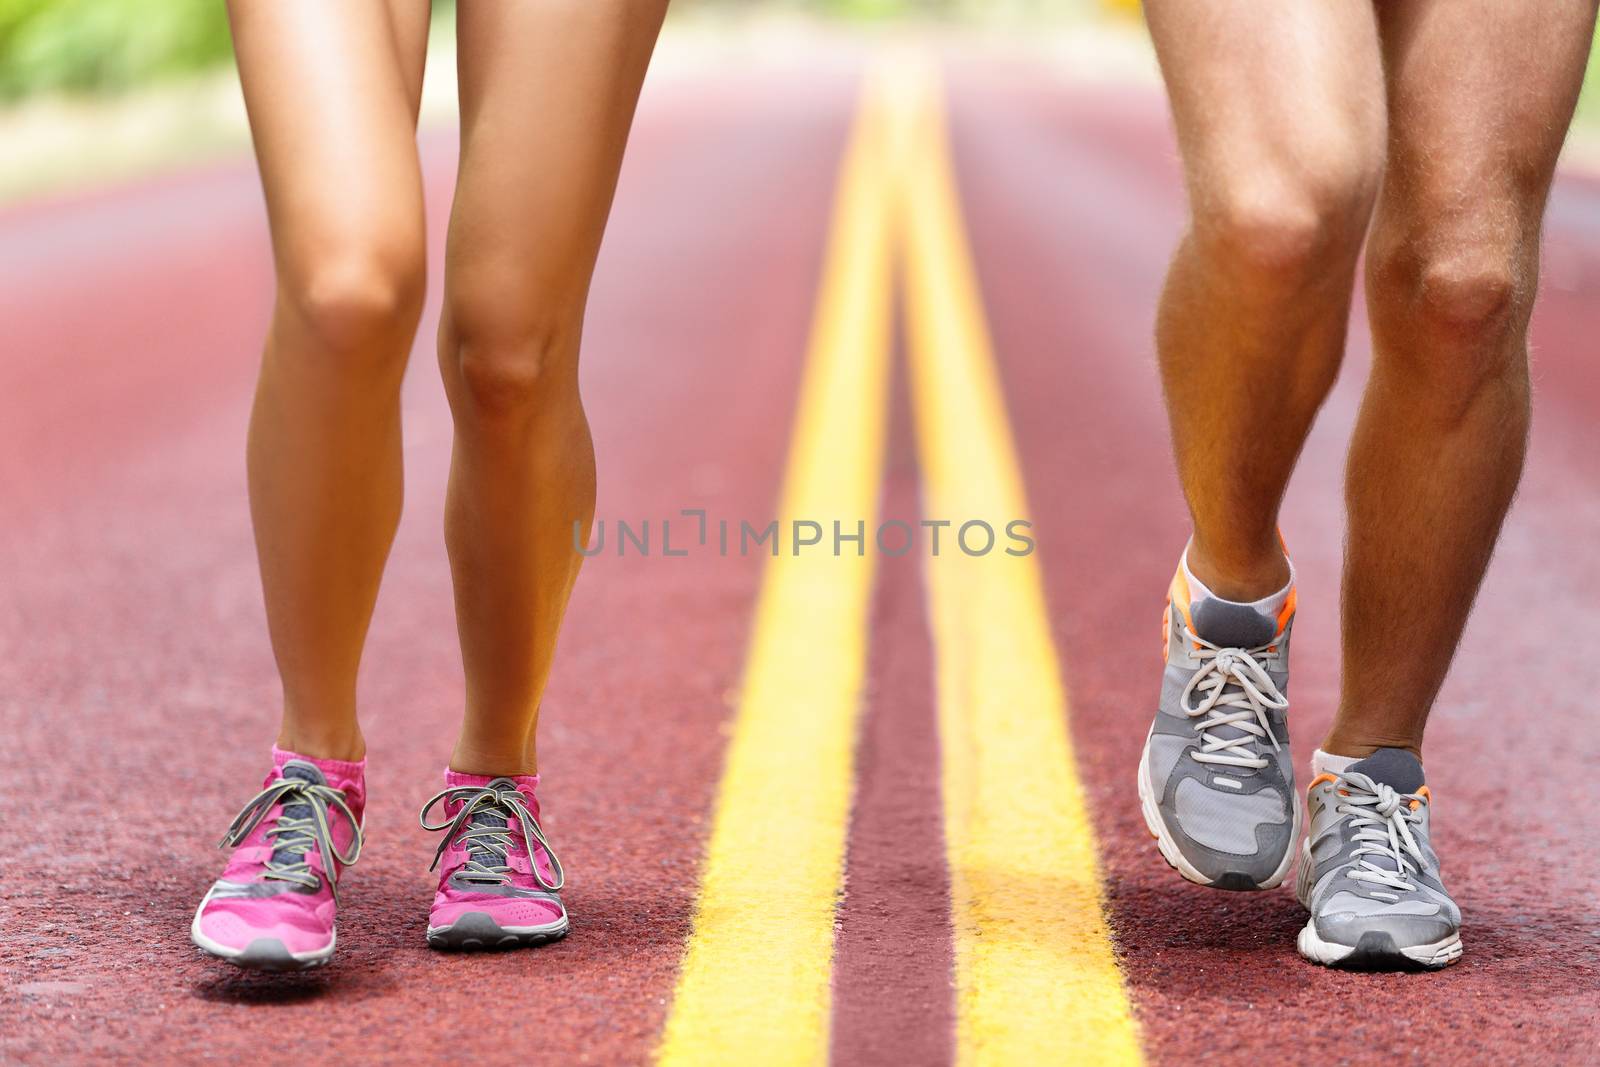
755 982
1036 978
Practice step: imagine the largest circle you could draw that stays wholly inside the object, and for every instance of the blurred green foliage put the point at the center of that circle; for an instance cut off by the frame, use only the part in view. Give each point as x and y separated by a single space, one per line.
864 9
1589 102
93 45
99 45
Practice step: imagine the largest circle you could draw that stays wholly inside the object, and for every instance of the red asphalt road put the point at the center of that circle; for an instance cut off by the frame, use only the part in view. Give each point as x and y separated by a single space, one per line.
137 693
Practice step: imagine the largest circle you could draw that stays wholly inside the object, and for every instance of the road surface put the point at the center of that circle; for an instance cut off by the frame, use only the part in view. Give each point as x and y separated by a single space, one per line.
798 816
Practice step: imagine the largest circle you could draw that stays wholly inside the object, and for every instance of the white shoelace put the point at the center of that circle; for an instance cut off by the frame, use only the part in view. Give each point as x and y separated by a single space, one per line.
1384 818
1235 691
488 847
299 837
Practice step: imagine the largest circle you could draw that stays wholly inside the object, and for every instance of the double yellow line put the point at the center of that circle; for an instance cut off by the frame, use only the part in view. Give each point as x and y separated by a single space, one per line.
1036 980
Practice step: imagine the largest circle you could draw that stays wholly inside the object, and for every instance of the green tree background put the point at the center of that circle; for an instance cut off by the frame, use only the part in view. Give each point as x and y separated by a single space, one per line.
98 46
105 45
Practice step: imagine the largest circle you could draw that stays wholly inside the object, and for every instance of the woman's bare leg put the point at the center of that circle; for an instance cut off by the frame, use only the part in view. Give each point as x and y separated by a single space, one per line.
332 91
547 96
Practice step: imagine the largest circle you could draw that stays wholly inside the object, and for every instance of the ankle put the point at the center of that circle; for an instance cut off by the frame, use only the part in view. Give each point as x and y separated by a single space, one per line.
1240 576
492 761
344 744
1359 744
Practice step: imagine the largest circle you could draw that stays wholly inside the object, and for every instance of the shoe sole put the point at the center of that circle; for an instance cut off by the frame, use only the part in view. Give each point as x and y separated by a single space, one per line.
1174 856
262 954
476 931
1377 951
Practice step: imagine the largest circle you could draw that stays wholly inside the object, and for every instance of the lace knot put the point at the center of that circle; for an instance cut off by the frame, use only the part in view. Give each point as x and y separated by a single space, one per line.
298 836
1234 691
1387 852
488 844
1388 802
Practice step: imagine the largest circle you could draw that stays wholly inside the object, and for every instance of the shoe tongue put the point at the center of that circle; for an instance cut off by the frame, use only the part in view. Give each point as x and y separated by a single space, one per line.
1231 625
1393 767
305 772
488 818
491 816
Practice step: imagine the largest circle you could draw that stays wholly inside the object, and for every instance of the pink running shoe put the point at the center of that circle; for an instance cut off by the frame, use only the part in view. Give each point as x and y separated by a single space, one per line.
492 892
273 908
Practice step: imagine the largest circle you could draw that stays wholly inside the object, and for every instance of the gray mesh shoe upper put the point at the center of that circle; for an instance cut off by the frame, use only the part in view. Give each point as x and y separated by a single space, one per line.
1372 869
1217 763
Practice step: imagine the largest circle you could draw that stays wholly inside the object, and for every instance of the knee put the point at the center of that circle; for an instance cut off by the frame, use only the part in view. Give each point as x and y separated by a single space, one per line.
511 363
359 305
1448 304
1475 294
1286 228
1467 287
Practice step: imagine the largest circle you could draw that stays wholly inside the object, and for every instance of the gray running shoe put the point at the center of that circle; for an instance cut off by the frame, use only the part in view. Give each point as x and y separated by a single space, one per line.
1369 875
1216 782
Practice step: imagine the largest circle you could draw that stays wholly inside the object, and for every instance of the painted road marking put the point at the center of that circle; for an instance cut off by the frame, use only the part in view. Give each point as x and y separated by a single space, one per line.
1036 978
755 981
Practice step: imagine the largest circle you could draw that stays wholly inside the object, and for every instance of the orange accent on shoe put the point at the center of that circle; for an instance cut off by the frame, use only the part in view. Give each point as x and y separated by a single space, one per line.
1426 794
1319 779
1287 612
1178 594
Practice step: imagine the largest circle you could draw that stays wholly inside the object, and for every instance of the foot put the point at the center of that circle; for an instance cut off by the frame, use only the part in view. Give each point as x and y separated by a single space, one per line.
1215 781
273 908
494 892
1369 875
